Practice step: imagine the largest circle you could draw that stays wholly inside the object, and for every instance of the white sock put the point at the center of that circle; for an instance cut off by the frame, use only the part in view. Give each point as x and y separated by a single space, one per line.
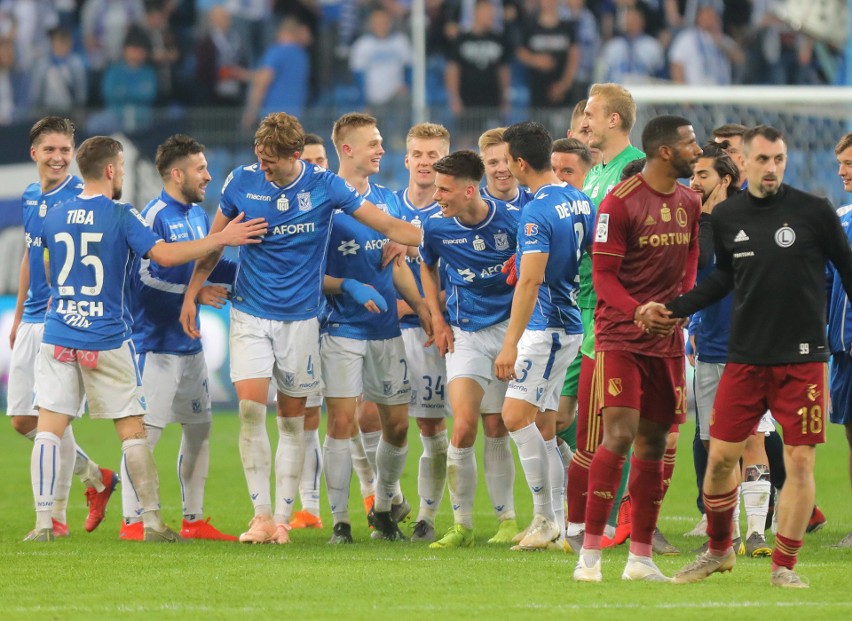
338 474
567 454
67 454
44 468
736 519
370 440
557 482
390 463
461 479
88 471
193 466
534 461
309 484
289 459
131 506
365 472
575 528
756 503
256 455
432 475
142 476
499 465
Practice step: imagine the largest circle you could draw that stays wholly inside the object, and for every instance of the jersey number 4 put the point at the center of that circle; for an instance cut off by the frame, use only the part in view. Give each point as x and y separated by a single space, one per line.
86 259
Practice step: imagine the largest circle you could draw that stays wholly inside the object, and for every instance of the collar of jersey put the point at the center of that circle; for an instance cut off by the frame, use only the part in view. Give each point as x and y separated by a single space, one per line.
60 186
492 211
412 205
549 185
294 181
487 194
168 199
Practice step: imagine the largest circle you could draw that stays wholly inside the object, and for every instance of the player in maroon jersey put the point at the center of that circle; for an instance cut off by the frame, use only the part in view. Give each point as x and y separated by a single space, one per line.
645 247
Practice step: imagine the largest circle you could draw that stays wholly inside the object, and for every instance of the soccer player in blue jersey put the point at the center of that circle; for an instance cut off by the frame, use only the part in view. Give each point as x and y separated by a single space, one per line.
52 149
168 359
363 353
545 330
276 301
472 237
86 350
426 143
500 184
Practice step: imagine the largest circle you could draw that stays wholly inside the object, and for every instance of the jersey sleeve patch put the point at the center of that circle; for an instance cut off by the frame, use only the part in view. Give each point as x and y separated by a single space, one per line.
602 230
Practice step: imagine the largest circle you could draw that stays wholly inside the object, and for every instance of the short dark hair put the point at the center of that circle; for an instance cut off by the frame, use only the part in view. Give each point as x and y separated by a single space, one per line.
95 153
313 139
764 131
173 149
662 131
532 142
52 125
729 130
572 145
632 168
463 164
722 164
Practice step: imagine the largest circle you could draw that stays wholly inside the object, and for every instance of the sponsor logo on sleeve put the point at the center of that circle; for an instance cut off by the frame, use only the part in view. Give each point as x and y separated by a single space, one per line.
602 232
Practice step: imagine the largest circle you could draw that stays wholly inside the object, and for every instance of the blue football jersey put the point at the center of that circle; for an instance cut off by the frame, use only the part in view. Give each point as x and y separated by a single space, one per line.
415 216
91 241
558 221
477 293
521 198
356 252
158 291
281 278
36 206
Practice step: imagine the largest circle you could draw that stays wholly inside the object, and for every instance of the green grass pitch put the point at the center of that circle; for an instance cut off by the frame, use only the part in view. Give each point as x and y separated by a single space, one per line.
94 576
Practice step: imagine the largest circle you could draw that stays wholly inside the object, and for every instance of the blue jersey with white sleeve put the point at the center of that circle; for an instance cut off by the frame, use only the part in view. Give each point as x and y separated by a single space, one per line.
281 277
36 205
559 221
356 252
520 201
477 293
90 241
158 291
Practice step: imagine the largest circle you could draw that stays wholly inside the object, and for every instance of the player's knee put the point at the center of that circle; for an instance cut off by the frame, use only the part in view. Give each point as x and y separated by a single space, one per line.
395 430
24 424
800 462
431 426
618 441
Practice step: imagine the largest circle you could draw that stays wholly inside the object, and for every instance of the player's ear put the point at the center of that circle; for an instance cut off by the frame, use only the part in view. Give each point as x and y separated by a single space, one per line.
33 154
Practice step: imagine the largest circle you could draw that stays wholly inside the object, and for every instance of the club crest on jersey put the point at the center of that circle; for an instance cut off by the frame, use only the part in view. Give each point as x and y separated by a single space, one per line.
530 229
680 217
665 214
478 243
785 237
42 210
416 222
501 241
304 199
614 387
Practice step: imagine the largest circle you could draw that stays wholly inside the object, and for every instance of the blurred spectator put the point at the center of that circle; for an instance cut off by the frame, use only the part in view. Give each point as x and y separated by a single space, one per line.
551 54
129 88
588 38
702 55
105 24
220 67
461 17
162 44
379 59
477 73
777 54
280 83
32 20
58 80
10 82
633 57
253 21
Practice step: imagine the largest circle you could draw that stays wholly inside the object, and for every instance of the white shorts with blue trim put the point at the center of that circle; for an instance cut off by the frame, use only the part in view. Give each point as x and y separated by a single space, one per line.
543 360
473 357
177 388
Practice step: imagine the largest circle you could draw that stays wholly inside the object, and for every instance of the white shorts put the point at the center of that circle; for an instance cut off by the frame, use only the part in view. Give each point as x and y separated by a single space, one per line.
376 369
427 372
22 370
177 388
286 351
543 360
707 377
314 401
110 380
473 357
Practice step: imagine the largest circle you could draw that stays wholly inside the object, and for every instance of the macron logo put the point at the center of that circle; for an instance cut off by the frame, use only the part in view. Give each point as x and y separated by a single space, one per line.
741 237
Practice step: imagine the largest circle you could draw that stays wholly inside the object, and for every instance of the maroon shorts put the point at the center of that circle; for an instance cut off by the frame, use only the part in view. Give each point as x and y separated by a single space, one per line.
589 427
796 394
656 387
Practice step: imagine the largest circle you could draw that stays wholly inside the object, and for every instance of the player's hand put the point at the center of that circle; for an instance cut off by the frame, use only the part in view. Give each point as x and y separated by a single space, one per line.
510 269
403 309
425 318
213 295
691 357
504 364
13 334
239 231
718 195
654 318
393 252
188 316
442 336
365 295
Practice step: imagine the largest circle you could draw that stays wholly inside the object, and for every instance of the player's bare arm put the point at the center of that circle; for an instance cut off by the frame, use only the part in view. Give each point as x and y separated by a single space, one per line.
523 301
396 230
366 295
405 284
442 333
23 285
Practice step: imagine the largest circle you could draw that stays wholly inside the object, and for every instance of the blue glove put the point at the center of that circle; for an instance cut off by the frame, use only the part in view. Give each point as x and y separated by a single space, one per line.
362 293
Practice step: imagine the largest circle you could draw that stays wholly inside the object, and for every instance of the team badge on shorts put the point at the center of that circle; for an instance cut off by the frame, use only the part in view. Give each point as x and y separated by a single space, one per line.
283 203
196 406
413 397
614 387
289 379
501 241
304 199
813 393
387 388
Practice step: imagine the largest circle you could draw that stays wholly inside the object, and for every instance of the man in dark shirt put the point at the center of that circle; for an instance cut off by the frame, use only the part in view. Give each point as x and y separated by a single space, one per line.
771 246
